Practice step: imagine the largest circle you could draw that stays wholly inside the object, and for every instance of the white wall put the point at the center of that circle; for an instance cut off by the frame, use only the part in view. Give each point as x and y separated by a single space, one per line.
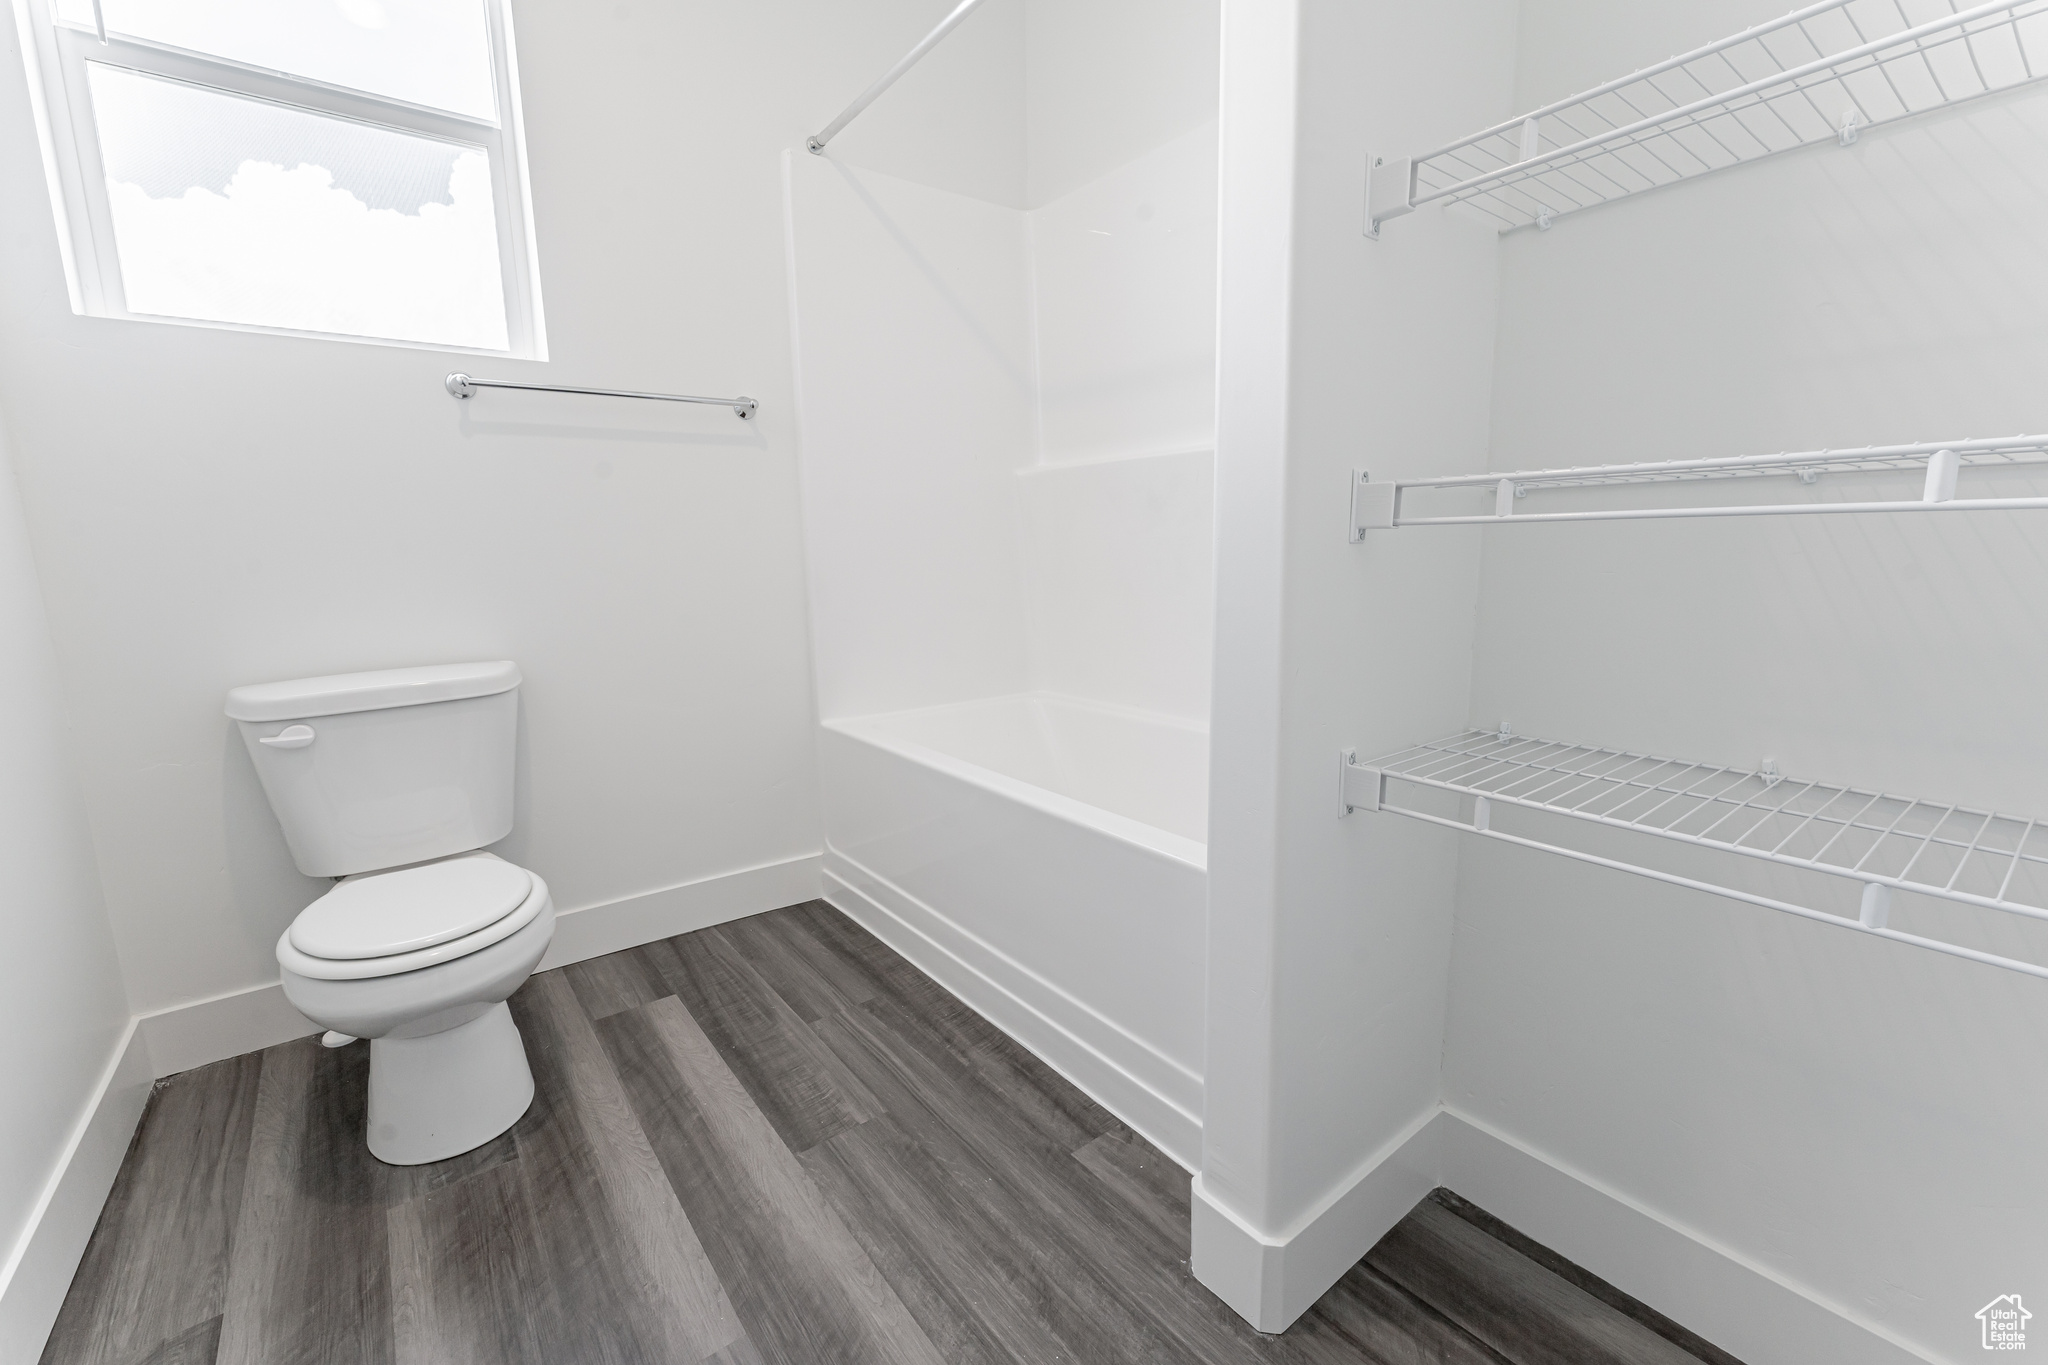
1329 940
61 1002
210 508
1107 83
956 121
1845 1113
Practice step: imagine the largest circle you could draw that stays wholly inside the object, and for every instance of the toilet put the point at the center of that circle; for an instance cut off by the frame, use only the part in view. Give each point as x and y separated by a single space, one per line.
393 783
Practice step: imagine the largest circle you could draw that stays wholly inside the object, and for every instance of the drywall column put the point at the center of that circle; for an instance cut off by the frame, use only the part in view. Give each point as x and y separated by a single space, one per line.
62 1010
1329 938
1232 1192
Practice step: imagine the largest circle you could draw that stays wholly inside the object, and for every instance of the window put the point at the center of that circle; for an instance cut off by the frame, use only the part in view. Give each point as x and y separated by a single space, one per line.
341 168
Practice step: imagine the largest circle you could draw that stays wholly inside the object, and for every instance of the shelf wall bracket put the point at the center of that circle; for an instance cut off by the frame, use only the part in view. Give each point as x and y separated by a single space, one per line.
1373 505
1389 191
1941 477
1358 787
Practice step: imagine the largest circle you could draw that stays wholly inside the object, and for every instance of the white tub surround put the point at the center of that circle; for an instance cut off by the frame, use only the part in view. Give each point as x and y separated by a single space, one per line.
1119 584
1006 379
1142 776
1042 858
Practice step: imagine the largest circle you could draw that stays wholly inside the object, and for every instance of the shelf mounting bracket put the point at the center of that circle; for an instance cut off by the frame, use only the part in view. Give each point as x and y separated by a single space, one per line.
1358 786
1941 477
1373 505
1389 191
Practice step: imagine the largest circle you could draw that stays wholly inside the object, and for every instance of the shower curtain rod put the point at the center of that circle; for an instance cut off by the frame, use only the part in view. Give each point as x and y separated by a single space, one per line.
831 130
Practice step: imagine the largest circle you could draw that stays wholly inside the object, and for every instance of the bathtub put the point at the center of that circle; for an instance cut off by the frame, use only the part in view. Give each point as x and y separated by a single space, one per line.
1044 859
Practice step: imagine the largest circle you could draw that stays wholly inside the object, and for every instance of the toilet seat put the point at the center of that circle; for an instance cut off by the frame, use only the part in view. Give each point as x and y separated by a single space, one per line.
386 923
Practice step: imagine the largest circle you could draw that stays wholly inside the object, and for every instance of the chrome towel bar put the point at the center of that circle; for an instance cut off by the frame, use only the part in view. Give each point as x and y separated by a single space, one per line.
463 386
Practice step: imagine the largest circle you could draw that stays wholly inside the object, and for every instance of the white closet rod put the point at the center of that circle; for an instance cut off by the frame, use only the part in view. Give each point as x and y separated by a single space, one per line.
817 140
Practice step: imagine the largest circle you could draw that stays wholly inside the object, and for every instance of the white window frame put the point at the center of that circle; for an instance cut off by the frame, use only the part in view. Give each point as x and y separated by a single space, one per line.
56 55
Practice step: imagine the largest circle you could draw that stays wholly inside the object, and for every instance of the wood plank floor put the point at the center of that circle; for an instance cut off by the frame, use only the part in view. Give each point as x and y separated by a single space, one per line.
770 1142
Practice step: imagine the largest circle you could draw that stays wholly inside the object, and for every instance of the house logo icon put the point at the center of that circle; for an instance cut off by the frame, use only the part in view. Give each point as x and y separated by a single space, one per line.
2005 1323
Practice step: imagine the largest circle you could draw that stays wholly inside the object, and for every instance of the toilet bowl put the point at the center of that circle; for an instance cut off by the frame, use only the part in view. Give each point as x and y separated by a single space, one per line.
394 782
420 960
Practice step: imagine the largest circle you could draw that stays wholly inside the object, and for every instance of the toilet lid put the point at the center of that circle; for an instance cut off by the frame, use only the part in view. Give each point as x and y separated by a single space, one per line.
387 913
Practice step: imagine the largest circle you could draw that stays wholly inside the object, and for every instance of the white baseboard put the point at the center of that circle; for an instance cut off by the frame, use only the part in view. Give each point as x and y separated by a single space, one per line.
1754 1314
205 1031
631 921
1272 1279
1148 1091
39 1267
1745 1309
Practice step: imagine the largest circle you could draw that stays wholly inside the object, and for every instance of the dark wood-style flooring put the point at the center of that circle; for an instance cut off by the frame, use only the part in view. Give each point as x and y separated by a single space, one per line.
773 1141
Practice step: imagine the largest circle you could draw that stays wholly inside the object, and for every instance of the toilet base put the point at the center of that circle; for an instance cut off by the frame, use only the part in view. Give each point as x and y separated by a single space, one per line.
447 1093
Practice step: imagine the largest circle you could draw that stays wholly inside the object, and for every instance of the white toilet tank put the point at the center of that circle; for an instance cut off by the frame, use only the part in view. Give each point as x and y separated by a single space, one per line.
376 770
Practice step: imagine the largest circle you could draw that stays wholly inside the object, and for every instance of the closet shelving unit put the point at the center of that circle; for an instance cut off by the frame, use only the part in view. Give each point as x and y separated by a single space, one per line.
1385 504
1822 73
1885 842
1825 72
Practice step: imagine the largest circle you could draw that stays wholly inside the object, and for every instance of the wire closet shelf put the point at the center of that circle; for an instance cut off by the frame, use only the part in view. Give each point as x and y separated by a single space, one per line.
1386 504
1887 843
1822 73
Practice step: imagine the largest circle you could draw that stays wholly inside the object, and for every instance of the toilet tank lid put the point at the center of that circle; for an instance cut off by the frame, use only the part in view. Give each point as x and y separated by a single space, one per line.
341 693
